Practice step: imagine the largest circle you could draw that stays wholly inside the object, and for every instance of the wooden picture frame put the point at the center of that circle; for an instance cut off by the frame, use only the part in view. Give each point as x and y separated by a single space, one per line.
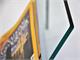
33 31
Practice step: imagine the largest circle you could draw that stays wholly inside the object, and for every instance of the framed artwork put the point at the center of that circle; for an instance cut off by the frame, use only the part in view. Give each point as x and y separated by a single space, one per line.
21 42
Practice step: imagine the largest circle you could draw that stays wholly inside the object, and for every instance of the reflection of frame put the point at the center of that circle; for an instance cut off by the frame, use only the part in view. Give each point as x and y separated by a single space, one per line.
29 38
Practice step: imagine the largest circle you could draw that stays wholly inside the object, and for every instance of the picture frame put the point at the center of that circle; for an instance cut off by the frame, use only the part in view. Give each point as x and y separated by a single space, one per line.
6 41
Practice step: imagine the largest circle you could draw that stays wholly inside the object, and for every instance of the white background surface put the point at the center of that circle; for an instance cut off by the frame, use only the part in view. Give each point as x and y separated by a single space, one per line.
58 25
